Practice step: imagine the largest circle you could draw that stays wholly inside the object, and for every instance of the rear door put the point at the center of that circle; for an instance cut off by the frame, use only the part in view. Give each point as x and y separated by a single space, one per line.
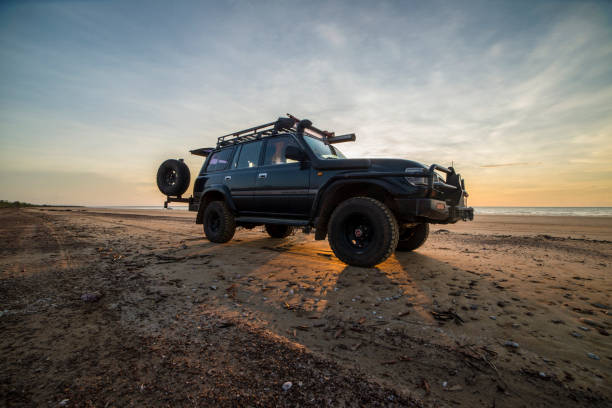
240 179
212 171
282 185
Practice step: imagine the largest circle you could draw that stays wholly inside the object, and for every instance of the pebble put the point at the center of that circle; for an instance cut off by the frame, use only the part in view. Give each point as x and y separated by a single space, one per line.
577 335
287 385
591 323
90 297
542 374
593 356
493 317
584 328
213 287
512 344
558 321
601 306
64 402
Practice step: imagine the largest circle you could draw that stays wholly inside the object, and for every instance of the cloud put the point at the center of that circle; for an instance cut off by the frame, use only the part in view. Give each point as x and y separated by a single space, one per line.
330 34
508 164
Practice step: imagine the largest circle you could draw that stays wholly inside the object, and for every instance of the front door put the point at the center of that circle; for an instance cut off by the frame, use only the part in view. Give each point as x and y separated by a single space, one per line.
282 184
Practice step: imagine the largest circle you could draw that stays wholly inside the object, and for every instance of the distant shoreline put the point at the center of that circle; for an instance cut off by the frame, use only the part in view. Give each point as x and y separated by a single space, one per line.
520 211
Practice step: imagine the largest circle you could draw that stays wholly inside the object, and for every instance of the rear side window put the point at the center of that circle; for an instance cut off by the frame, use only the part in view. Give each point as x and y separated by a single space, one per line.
275 150
219 160
249 155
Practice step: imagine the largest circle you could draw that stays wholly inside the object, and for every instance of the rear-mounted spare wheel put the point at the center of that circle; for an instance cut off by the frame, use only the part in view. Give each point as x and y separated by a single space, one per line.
173 177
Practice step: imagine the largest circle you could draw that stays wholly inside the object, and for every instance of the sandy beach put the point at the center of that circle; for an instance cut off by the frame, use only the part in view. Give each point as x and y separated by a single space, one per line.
106 307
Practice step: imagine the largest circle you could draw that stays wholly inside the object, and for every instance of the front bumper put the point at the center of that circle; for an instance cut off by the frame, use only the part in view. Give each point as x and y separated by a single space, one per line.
430 210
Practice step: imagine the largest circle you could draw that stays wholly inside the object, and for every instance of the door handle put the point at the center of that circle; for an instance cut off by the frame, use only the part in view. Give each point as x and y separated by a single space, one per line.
228 178
262 175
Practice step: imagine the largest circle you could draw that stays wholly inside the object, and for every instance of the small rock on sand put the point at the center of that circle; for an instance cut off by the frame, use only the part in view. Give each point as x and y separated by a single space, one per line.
593 356
90 297
287 385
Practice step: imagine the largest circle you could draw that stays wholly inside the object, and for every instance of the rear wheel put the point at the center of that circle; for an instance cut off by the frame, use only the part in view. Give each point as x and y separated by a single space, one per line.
412 238
279 231
219 222
362 232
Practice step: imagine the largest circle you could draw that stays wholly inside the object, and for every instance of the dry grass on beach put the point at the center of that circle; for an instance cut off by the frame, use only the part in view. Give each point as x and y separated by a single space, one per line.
506 311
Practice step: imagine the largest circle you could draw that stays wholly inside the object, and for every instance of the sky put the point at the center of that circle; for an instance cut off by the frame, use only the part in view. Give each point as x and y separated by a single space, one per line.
94 95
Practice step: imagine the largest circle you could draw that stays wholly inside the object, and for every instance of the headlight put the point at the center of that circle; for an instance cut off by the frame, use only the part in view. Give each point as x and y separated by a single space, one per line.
416 180
420 179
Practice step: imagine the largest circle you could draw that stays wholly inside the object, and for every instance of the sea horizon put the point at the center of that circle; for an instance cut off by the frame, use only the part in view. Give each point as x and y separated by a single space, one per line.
478 210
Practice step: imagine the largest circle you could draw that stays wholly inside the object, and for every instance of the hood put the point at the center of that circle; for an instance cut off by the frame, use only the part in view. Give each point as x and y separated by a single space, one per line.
394 164
374 164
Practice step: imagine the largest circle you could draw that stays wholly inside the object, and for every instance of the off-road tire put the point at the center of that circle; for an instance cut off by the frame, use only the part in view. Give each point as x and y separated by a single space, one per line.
219 222
173 177
279 231
412 238
378 227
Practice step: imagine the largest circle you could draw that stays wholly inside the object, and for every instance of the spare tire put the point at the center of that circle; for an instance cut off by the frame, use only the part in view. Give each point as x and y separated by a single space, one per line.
173 177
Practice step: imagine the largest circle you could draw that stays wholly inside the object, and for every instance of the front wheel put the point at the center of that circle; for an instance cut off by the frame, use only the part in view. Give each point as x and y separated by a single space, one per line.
279 231
219 222
362 232
412 238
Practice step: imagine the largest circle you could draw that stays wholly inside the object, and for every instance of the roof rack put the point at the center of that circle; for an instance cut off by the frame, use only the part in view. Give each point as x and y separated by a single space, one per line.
256 132
290 123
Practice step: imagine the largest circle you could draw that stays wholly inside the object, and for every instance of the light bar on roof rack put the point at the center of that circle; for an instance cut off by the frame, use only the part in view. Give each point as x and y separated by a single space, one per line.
342 138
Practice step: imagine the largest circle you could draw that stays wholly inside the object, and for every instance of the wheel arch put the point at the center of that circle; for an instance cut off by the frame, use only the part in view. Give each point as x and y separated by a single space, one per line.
220 193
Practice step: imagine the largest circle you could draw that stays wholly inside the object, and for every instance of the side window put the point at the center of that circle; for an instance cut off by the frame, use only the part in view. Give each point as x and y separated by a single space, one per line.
219 160
249 155
275 150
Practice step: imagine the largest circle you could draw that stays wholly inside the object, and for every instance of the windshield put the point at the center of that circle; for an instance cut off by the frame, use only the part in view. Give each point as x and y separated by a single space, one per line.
322 150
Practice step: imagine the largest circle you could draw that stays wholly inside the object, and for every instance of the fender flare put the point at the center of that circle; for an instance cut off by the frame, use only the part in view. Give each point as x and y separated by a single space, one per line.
214 191
326 196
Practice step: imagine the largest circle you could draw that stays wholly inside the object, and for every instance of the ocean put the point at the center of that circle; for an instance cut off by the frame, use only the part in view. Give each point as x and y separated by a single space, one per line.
549 211
546 211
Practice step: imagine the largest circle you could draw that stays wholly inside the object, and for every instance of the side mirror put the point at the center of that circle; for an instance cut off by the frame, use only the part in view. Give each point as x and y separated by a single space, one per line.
295 153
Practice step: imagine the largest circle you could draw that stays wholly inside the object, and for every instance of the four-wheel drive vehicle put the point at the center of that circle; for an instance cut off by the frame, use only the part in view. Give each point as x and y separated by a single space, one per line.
288 174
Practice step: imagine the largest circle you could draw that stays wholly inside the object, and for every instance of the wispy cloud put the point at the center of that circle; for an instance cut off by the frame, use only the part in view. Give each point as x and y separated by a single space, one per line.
507 165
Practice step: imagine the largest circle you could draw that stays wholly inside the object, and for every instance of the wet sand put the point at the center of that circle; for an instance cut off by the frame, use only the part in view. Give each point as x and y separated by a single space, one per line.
505 311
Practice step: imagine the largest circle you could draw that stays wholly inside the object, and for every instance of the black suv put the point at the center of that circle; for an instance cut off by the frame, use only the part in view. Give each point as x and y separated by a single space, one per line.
288 174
